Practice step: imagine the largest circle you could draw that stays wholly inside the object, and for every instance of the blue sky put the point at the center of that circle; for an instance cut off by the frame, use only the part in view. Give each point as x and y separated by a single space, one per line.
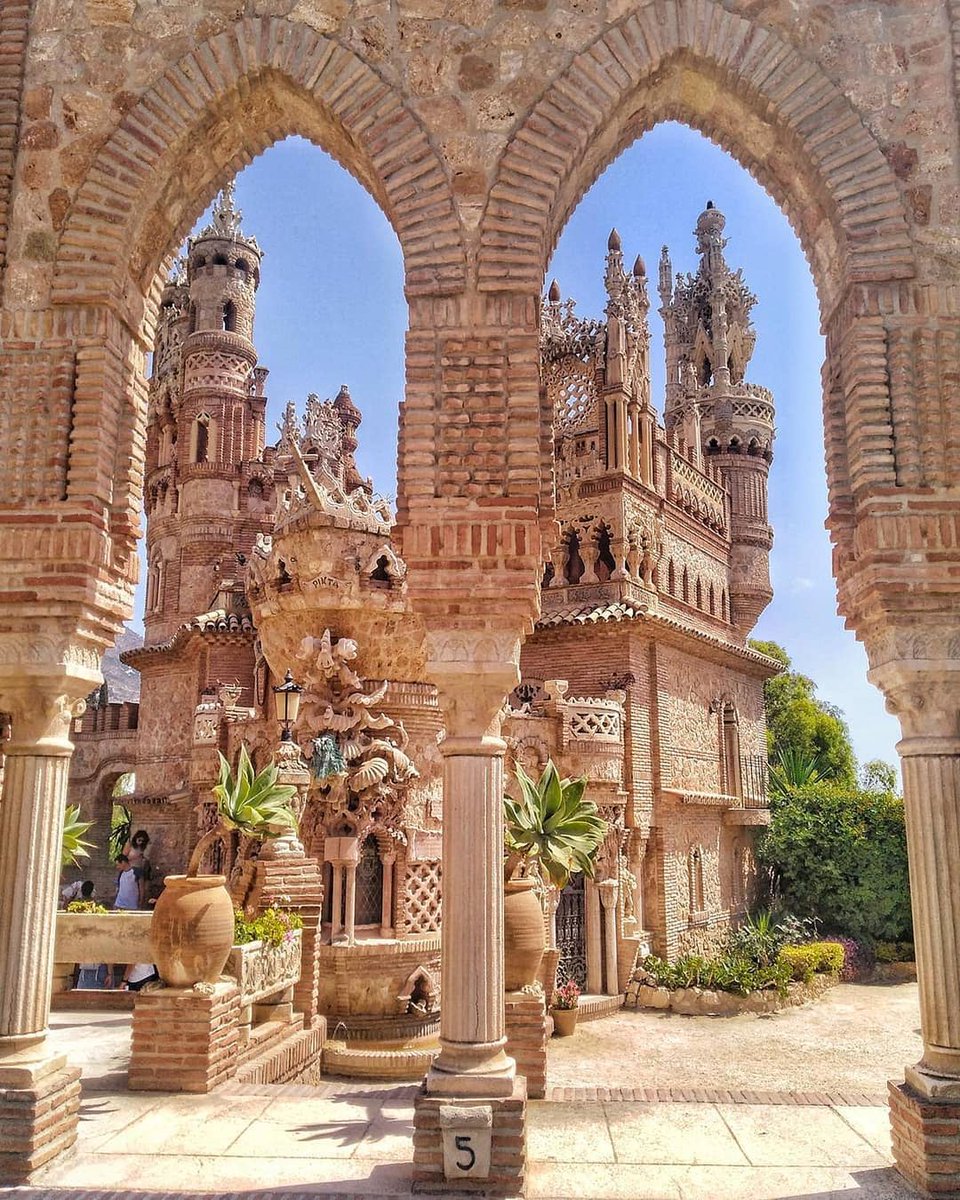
330 310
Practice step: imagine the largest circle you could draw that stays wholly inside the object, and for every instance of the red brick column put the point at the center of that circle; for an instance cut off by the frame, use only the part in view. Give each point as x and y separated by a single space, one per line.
185 1039
526 1015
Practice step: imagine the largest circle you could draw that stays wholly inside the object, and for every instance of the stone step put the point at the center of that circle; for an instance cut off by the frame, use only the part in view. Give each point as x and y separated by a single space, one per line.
592 1007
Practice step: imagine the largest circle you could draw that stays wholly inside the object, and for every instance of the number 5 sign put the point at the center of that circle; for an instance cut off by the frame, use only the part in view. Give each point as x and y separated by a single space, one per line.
467 1131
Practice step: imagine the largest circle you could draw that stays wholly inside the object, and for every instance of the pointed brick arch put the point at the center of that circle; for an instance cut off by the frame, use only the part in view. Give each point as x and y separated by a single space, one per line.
738 83
211 113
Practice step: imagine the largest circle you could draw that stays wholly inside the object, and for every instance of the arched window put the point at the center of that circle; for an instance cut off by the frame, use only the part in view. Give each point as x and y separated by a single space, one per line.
575 565
671 578
699 593
712 601
695 878
606 564
230 317
155 585
369 901
255 489
192 317
202 439
730 733
685 586
381 572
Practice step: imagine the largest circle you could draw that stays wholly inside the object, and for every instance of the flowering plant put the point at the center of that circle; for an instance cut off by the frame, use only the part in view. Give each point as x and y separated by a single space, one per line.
273 926
567 995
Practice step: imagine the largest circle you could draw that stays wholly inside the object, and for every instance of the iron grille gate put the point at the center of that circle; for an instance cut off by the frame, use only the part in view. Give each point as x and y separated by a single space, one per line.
369 884
571 932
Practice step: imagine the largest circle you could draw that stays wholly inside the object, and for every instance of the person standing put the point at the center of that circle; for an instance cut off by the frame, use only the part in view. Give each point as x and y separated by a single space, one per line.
129 885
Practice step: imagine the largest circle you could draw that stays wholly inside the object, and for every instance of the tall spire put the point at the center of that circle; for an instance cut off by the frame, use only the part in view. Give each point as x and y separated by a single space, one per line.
226 215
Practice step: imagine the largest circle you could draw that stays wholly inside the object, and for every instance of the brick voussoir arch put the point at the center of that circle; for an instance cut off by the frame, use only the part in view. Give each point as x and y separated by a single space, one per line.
119 227
747 90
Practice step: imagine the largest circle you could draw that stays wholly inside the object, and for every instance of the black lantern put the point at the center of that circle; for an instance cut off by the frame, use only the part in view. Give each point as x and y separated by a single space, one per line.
287 699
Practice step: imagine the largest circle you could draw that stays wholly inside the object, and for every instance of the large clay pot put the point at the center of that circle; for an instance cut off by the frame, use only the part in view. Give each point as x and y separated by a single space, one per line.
524 939
192 929
564 1021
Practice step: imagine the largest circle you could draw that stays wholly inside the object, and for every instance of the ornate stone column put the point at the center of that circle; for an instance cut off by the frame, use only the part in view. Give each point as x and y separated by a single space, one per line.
473 681
386 897
609 891
33 1081
594 937
925 1109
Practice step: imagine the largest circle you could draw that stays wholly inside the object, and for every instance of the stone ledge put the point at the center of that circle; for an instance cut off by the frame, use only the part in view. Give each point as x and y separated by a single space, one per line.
704 1002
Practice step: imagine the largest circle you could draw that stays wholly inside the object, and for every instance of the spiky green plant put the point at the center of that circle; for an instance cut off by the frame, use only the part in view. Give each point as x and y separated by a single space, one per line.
73 847
793 769
551 826
254 804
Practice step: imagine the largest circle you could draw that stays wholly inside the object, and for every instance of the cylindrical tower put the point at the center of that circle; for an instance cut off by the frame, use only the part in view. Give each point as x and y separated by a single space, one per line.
207 424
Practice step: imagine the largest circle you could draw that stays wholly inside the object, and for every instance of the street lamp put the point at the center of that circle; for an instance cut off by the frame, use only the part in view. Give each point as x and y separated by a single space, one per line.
287 701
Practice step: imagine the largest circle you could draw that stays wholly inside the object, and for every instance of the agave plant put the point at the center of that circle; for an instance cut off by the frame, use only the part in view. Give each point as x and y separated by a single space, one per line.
793 770
551 827
254 804
73 847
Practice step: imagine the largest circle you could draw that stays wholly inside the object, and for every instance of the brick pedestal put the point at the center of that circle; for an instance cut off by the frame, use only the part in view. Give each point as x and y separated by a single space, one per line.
526 1015
926 1140
508 1152
184 1040
39 1107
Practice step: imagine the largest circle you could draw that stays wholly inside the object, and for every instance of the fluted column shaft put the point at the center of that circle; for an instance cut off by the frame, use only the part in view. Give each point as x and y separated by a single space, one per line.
472 1030
931 789
31 831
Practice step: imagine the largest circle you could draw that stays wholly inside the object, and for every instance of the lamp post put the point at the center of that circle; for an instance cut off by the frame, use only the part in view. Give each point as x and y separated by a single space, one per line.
287 701
292 770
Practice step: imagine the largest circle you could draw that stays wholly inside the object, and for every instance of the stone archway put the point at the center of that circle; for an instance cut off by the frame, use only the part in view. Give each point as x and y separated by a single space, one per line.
478 158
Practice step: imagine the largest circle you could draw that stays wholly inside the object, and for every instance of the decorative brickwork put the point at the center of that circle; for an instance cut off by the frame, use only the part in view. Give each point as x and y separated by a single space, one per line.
926 1141
184 1040
508 1153
38 1120
527 1039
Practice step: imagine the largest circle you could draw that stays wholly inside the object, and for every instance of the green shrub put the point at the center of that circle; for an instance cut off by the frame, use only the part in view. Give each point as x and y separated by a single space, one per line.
273 926
813 958
840 854
726 973
891 952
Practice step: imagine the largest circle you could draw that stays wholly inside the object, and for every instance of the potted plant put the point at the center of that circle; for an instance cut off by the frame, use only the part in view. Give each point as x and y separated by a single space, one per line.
565 1007
550 831
192 928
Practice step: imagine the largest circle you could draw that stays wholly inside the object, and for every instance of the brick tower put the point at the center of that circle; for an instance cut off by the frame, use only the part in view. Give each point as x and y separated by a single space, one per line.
708 340
206 485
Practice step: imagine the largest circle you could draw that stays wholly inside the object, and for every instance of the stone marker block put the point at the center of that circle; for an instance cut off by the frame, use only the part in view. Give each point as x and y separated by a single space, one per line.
466 1131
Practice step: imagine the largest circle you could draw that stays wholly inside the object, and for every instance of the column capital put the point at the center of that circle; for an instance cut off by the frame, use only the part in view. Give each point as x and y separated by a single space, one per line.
924 695
45 673
473 670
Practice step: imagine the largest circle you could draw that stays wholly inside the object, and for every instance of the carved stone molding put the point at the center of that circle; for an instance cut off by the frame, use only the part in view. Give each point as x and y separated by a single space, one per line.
474 671
925 697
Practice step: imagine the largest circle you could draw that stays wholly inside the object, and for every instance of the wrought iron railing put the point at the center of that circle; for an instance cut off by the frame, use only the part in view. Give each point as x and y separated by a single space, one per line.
753 778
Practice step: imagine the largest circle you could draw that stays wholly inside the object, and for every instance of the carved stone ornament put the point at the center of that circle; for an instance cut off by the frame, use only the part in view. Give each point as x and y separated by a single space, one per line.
261 970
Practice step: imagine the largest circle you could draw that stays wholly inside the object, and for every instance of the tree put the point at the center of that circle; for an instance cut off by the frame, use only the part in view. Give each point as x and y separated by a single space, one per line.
839 853
878 776
801 727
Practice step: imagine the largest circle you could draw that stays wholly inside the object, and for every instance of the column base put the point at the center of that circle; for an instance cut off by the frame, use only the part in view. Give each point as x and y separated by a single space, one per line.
925 1130
471 1069
526 1017
508 1143
39 1114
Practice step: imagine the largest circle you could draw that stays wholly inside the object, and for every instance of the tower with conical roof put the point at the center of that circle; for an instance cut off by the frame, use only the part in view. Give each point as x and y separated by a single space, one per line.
708 340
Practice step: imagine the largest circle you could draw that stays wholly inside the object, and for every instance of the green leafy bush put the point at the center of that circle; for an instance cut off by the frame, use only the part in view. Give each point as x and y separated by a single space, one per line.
273 926
840 854
726 973
813 958
891 952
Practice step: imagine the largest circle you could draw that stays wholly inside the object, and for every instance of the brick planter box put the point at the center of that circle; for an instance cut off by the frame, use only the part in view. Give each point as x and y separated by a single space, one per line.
703 1002
262 971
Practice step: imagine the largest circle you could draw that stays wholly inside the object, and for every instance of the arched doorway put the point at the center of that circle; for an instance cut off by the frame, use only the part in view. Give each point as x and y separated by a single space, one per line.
572 932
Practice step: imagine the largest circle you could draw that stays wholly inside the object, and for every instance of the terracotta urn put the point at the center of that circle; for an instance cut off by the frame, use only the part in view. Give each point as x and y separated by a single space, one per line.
564 1021
524 938
192 929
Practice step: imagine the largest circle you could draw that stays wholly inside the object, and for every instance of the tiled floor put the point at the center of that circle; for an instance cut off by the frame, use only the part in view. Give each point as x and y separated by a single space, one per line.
354 1140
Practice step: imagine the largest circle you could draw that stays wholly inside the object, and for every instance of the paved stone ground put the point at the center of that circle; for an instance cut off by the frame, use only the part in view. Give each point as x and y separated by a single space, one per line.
354 1140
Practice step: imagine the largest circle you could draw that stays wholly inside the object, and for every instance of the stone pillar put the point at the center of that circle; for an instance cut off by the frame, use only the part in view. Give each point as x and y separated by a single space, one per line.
350 902
39 1093
386 899
552 904
594 938
609 890
925 1109
474 672
337 902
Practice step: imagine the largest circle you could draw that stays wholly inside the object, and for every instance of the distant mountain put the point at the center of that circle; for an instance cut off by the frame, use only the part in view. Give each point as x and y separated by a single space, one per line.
123 682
